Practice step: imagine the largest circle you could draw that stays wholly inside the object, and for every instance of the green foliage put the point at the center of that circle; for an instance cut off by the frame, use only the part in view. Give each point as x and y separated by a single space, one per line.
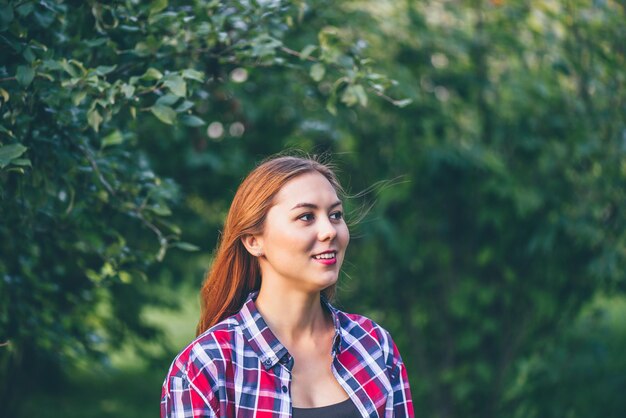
125 125
84 215
505 220
587 362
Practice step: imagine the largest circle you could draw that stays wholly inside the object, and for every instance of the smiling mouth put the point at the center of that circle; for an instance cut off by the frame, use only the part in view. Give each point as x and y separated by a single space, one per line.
326 256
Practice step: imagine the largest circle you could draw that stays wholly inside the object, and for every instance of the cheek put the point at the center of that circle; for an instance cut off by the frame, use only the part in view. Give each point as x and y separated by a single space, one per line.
290 239
344 235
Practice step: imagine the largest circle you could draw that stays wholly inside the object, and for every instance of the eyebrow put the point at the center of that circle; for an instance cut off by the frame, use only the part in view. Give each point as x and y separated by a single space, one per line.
313 206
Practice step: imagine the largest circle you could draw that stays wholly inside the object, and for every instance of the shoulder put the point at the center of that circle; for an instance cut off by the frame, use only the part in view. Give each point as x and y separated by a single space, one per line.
197 373
207 355
366 332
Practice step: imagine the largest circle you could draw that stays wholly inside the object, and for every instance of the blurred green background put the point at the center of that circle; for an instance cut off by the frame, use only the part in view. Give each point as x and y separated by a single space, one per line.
487 139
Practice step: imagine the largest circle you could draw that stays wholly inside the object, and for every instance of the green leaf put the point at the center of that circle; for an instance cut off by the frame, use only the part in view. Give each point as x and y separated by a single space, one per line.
152 74
184 106
160 209
307 51
22 162
92 43
161 253
403 102
105 69
167 100
114 138
93 276
28 55
172 227
359 91
25 9
331 107
349 96
127 90
264 45
8 153
191 120
14 44
4 94
69 68
317 71
6 14
157 5
51 65
142 49
125 277
177 86
193 75
185 246
165 113
94 119
24 75
107 270
78 97
6 131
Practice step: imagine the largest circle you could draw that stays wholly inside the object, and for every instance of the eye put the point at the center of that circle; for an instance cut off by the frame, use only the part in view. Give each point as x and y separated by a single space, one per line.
306 217
336 215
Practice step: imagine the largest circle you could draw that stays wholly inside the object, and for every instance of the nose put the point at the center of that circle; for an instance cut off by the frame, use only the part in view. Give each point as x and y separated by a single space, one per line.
327 231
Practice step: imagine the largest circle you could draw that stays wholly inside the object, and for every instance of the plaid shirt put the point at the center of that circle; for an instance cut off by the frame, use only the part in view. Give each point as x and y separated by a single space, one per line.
238 368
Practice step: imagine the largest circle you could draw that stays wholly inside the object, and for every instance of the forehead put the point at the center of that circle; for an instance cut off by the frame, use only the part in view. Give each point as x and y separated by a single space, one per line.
311 187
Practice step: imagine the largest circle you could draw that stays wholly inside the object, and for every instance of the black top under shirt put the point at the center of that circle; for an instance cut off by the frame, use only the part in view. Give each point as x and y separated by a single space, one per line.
345 409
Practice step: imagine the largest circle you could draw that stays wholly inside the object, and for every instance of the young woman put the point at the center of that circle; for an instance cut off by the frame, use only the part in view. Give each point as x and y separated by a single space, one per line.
270 344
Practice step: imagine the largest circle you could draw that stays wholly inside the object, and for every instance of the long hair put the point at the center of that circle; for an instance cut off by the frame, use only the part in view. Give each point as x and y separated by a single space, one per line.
235 272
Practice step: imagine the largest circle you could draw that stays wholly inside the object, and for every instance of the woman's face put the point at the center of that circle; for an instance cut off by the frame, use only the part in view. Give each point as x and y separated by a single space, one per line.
304 236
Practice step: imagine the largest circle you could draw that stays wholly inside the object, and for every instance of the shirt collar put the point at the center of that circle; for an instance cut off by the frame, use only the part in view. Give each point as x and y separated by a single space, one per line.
265 343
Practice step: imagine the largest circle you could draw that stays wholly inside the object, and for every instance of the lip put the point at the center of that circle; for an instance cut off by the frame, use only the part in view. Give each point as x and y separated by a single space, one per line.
326 261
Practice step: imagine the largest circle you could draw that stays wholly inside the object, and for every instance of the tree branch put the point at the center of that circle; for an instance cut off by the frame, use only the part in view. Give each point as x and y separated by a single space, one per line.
96 169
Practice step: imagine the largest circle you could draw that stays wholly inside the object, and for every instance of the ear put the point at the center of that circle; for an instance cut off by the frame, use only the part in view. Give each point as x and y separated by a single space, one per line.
254 245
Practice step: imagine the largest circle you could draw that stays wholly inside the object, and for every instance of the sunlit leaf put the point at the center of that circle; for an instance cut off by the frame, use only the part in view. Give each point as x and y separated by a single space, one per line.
177 85
105 69
4 94
168 99
359 91
114 138
317 71
157 5
193 75
94 119
165 113
128 90
152 74
10 152
403 102
307 51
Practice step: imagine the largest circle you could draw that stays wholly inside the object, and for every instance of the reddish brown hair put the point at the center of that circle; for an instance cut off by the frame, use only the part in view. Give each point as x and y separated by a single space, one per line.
235 272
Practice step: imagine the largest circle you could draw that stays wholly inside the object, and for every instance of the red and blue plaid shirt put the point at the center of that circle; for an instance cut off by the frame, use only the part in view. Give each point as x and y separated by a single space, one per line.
238 368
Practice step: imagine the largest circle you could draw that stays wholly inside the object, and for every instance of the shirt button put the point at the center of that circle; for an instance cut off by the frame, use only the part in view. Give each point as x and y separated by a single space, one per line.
268 362
285 389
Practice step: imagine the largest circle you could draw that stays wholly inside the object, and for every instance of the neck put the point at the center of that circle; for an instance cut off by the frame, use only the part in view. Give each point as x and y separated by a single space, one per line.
294 316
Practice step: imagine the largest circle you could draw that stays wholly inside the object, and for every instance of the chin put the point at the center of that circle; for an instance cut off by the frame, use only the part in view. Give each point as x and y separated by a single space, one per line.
327 281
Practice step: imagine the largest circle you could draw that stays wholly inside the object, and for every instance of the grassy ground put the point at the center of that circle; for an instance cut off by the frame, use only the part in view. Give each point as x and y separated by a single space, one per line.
119 394
131 387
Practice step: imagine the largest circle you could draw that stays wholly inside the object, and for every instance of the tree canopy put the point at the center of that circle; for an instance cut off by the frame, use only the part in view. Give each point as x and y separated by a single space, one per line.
489 134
